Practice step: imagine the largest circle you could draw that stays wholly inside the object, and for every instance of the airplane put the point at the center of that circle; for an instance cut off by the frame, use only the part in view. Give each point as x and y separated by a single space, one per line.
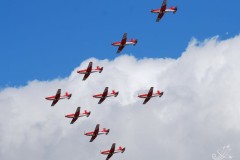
105 94
96 132
113 151
150 95
89 70
163 10
124 42
77 114
58 96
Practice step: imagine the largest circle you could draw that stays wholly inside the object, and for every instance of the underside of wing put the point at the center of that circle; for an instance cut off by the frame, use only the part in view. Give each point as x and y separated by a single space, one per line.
101 100
124 39
54 102
120 48
93 137
105 92
160 15
164 4
112 148
146 100
150 92
109 156
77 113
74 120
89 69
96 129
86 76
58 94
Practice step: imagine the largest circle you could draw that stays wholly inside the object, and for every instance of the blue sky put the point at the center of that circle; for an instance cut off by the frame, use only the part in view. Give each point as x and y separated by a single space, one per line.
46 39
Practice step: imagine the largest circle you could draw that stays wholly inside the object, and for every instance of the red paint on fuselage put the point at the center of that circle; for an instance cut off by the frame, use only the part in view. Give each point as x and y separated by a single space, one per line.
85 71
81 115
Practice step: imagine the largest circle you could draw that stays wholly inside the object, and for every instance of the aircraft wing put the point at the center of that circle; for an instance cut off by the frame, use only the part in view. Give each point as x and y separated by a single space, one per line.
104 95
89 69
120 48
160 15
93 137
88 72
150 92
86 76
112 148
54 102
76 115
105 92
96 129
57 96
124 39
95 133
111 151
146 100
164 5
101 100
109 156
74 120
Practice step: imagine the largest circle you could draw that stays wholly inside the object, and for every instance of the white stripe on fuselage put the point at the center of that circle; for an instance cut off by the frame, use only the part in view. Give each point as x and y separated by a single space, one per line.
167 10
108 95
93 71
61 97
127 43
153 95
99 133
82 115
116 151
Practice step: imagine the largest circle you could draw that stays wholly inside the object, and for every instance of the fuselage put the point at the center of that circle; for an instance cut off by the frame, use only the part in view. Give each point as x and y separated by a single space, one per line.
120 44
53 97
108 151
81 115
101 95
164 11
92 133
85 71
145 95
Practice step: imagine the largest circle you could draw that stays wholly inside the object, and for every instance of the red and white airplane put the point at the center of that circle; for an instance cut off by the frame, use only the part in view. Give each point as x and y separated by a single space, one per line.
105 94
77 114
58 96
113 151
124 42
96 132
163 10
150 95
89 70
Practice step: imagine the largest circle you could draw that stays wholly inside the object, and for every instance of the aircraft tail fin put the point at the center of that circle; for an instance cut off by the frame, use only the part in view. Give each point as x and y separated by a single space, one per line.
106 130
135 42
174 9
68 95
122 149
115 93
100 70
87 113
159 93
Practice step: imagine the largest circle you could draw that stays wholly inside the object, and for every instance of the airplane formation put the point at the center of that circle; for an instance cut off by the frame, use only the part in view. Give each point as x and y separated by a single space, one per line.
106 94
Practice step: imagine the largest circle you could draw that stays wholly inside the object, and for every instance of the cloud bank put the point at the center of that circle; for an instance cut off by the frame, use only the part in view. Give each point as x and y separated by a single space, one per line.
198 113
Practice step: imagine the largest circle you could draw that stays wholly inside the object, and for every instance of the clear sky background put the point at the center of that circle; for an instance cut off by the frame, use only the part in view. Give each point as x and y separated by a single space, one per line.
44 39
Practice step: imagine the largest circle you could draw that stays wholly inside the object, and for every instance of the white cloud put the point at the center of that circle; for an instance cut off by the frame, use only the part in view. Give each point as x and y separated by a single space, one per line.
198 113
